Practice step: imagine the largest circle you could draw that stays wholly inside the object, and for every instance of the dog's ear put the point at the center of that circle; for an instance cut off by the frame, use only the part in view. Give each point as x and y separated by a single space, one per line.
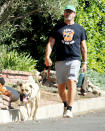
21 84
30 86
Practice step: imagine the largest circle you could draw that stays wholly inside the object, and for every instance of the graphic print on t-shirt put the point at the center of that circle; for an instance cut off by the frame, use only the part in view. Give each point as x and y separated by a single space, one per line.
68 36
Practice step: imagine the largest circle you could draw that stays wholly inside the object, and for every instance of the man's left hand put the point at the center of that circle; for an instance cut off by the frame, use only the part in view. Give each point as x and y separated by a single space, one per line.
84 67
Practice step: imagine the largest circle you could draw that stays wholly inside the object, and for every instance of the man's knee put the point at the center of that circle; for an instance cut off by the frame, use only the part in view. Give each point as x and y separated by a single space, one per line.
61 88
71 83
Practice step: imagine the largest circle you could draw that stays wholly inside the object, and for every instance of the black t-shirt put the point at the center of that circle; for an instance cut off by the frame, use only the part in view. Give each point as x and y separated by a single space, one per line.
67 41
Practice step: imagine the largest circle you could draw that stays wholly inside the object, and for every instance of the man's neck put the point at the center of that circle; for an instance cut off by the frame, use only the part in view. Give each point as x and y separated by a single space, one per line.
68 22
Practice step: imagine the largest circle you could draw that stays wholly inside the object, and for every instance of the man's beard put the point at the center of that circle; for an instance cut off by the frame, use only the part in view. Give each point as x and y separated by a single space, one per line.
69 18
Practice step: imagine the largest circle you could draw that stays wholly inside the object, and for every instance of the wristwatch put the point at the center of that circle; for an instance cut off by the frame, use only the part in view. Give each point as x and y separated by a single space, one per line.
85 62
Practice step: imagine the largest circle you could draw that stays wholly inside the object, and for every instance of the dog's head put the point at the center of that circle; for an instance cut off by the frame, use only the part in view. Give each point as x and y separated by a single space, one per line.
22 90
31 89
27 89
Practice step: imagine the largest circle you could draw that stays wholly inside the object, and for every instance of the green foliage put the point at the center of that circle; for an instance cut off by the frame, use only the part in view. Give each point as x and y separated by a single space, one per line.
25 25
12 60
55 8
6 32
27 21
91 15
98 79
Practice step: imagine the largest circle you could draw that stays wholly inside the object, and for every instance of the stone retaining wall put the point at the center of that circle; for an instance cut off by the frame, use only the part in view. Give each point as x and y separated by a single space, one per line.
4 102
11 76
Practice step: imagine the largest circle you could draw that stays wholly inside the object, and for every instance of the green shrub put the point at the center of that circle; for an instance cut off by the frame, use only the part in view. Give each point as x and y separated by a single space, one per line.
98 79
91 15
23 27
14 61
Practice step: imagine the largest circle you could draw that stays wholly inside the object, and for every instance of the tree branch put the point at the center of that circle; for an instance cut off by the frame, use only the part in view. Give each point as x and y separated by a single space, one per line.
5 6
27 14
3 14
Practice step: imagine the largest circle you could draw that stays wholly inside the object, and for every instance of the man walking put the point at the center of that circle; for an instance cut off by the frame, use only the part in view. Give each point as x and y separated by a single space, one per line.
68 38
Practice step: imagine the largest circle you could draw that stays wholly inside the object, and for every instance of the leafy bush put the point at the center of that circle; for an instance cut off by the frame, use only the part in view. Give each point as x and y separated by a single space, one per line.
23 27
98 79
91 15
13 61
26 21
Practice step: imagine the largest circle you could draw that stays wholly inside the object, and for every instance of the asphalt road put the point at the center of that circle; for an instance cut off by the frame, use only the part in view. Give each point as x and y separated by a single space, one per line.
93 121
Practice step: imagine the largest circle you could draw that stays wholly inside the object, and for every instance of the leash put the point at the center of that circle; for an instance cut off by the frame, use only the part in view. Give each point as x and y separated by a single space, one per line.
46 78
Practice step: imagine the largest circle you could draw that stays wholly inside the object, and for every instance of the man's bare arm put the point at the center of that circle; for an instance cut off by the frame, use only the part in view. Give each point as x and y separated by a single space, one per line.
84 55
49 48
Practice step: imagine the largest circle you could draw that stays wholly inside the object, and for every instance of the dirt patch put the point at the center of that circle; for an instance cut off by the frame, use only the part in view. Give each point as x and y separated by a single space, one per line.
49 98
52 96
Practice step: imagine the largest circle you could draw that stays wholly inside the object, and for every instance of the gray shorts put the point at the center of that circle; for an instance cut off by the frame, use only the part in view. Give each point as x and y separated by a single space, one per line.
67 70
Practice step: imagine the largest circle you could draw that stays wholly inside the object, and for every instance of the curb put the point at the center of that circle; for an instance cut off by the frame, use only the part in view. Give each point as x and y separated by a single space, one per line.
55 110
83 106
9 116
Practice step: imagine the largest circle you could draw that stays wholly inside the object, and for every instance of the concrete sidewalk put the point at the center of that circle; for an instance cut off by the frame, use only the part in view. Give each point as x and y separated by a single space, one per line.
55 110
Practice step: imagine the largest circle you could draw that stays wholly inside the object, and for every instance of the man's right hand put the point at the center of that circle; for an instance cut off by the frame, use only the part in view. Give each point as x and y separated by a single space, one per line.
49 47
48 62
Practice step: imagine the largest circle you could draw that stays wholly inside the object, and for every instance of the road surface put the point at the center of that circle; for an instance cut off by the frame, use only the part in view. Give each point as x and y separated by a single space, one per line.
93 121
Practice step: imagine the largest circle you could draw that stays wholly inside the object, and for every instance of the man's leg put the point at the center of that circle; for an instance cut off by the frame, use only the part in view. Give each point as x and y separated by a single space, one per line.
71 84
70 97
63 95
62 92
61 75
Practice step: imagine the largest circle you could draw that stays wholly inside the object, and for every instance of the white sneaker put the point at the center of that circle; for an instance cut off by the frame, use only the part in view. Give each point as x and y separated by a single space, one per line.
68 114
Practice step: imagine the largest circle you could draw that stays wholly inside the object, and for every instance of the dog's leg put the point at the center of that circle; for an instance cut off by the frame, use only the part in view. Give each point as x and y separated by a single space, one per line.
27 108
23 112
21 115
36 107
32 109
